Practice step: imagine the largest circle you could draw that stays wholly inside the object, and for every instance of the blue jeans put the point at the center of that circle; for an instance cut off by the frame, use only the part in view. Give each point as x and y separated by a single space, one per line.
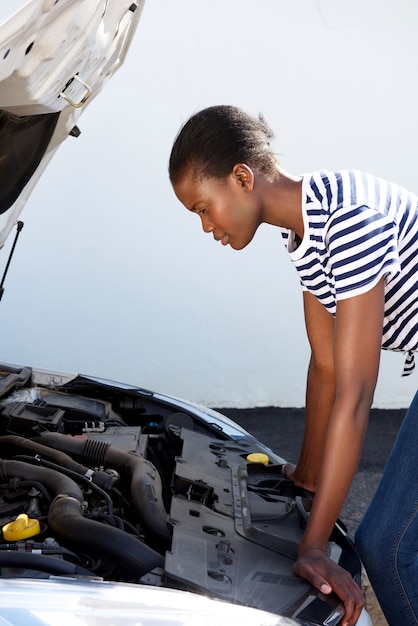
387 538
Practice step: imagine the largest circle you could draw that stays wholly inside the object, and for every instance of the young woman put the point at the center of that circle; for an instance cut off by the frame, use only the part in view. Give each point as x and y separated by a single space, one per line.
353 239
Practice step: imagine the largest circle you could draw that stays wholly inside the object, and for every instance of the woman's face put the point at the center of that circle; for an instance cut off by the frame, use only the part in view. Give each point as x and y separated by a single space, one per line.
228 208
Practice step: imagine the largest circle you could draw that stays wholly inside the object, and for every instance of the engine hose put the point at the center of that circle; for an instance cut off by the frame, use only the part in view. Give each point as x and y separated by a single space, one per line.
11 443
66 518
104 541
146 486
55 482
73 475
42 563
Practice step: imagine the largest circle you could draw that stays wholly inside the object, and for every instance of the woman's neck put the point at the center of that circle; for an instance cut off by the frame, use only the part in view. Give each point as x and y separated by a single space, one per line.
282 201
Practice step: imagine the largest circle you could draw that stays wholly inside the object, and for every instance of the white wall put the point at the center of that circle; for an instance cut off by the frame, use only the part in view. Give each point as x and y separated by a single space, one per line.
113 277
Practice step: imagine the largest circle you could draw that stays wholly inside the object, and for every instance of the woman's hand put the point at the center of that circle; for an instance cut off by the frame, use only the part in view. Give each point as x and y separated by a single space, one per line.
290 470
314 565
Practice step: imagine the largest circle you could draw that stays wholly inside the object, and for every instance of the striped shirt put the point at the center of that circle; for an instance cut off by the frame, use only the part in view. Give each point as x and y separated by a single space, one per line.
359 228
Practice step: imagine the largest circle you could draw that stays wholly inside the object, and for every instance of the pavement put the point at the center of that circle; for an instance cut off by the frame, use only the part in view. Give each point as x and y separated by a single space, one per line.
282 428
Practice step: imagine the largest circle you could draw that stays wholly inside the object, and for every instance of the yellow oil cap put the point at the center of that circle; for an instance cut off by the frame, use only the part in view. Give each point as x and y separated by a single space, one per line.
258 457
21 528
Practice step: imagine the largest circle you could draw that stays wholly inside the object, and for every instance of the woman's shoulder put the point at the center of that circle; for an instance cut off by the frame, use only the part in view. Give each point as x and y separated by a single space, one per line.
328 181
348 188
332 189
351 184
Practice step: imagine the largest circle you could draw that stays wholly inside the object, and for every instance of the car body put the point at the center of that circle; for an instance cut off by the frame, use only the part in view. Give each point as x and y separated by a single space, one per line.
116 501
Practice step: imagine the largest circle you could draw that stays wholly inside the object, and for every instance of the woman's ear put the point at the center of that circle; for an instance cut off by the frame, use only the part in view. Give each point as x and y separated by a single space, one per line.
243 176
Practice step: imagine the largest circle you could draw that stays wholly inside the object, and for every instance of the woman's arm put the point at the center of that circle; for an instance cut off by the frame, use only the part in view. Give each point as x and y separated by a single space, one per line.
356 354
320 393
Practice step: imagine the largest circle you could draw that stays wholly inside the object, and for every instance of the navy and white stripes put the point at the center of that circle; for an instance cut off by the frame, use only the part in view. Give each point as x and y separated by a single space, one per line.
359 228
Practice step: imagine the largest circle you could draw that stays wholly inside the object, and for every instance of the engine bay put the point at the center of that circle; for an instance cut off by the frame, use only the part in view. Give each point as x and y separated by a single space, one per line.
114 483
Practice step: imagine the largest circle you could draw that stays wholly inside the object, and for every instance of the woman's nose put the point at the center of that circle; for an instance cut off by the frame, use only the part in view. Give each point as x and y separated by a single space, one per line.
206 225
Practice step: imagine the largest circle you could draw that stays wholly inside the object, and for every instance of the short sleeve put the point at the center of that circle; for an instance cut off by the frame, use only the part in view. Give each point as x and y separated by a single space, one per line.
361 245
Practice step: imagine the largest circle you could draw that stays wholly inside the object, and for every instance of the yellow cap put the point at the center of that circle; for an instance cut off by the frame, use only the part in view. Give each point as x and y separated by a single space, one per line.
21 528
258 457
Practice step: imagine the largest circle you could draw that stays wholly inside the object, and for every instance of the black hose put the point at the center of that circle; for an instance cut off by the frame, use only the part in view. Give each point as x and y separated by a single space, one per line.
11 443
55 482
107 542
66 519
146 486
25 484
70 473
42 563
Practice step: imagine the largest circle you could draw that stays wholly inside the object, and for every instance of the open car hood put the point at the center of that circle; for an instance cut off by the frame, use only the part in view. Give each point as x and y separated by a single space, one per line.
55 57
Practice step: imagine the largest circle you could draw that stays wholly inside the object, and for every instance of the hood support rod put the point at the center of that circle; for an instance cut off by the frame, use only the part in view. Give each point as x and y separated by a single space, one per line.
19 228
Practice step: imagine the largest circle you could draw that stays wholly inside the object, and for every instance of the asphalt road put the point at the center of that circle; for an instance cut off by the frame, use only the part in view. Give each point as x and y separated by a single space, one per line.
281 429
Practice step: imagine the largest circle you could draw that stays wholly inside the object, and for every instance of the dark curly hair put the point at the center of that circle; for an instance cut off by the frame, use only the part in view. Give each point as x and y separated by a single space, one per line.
213 140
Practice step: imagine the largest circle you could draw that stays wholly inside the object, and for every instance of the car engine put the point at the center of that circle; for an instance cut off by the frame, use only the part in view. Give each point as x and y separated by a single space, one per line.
105 481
